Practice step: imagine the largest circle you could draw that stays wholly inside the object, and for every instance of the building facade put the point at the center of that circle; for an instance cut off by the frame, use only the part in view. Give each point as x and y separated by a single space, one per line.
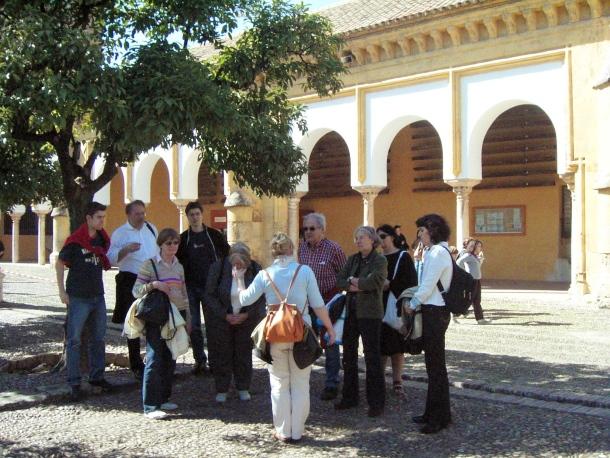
493 113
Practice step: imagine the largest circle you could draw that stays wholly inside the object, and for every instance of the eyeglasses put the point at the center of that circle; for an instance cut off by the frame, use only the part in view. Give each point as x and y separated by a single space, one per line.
171 242
310 228
382 236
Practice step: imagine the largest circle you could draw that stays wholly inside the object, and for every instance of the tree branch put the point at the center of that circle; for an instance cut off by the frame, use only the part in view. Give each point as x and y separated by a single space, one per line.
109 171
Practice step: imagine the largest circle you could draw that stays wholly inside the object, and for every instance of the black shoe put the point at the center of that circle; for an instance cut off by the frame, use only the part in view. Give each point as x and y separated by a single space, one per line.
431 429
138 373
419 419
375 412
200 369
76 395
329 393
344 405
103 384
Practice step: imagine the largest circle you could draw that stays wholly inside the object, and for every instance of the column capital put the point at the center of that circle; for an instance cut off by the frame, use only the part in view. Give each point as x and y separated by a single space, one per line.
369 191
42 208
59 211
464 185
16 212
180 202
297 195
238 198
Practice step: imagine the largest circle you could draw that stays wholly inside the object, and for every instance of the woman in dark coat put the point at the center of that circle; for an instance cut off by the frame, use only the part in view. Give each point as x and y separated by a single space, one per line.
401 275
229 343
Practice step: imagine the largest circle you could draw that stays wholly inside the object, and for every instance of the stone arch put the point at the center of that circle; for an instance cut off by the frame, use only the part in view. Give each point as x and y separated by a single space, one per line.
142 174
387 136
160 209
330 190
519 154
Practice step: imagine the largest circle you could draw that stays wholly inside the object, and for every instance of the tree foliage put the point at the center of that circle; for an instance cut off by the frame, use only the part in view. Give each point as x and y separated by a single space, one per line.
69 67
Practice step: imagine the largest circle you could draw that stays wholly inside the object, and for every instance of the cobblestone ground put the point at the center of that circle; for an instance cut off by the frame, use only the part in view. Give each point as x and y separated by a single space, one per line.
536 341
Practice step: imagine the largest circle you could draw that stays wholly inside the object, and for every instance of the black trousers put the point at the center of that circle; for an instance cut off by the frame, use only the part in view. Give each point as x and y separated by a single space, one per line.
230 353
370 331
476 301
435 321
124 299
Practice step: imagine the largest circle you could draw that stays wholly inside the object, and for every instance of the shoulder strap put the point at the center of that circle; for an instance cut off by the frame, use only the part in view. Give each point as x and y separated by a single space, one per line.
150 228
402 253
276 290
439 285
152 261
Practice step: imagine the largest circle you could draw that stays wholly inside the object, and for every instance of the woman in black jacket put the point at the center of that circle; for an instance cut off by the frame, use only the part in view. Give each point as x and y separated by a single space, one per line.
229 343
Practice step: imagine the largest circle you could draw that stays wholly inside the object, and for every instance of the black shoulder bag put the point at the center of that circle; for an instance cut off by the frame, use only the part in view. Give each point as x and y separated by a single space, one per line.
154 308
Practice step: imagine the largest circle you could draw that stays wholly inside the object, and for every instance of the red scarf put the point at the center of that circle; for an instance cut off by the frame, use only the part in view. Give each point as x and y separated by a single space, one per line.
81 237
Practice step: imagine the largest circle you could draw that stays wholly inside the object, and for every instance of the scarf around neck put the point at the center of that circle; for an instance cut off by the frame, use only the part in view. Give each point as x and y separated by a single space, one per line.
81 237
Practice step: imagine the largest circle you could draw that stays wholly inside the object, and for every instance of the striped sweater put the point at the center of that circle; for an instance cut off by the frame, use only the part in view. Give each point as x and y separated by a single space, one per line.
170 274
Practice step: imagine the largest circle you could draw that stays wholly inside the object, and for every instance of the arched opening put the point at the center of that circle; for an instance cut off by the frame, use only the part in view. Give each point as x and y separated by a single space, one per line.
415 180
521 208
115 213
330 190
211 195
161 210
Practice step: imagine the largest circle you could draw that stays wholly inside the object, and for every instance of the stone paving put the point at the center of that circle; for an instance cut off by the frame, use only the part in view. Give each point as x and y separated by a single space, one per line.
533 383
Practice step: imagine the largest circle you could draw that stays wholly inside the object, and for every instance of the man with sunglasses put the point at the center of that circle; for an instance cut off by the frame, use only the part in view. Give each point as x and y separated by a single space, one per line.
130 245
326 259
200 247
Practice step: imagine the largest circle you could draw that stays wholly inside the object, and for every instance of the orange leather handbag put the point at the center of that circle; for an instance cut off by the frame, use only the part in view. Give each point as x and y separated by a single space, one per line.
284 322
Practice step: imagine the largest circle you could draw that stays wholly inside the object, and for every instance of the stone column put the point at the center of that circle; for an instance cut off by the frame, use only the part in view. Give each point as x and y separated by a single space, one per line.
462 213
369 194
181 204
16 213
42 210
61 231
239 218
578 281
293 216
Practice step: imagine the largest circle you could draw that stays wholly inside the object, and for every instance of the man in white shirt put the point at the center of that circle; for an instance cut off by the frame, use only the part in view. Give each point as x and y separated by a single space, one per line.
130 245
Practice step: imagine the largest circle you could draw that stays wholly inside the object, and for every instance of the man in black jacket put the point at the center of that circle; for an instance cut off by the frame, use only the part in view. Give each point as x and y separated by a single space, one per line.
200 246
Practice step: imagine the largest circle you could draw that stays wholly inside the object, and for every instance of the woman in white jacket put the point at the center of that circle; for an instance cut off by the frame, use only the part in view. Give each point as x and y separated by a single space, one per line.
289 384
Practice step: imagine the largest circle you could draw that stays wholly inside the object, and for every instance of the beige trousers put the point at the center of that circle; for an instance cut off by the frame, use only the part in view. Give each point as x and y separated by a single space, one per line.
289 392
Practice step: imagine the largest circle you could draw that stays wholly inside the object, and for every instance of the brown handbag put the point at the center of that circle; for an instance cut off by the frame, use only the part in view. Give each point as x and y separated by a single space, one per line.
284 322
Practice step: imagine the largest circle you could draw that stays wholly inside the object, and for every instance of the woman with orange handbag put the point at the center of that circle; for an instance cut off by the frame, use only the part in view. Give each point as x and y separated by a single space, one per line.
297 284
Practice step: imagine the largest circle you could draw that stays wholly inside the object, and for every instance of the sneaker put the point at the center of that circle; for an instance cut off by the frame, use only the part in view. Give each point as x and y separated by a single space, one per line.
155 415
221 398
244 395
483 321
76 395
103 384
169 406
329 394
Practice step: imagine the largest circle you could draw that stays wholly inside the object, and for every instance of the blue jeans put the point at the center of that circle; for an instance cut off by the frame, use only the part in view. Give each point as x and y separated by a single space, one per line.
196 305
158 372
332 366
90 311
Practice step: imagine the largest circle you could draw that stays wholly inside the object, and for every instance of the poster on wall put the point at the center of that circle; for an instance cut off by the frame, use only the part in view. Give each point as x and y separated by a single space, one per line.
499 220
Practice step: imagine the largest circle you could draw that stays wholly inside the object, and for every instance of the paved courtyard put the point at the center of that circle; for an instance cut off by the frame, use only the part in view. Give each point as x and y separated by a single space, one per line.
533 383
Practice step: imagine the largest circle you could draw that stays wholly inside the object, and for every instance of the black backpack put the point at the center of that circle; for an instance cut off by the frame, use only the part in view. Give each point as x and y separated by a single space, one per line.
459 297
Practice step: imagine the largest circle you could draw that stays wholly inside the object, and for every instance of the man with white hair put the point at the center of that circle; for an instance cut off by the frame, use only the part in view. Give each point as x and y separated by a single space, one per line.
326 259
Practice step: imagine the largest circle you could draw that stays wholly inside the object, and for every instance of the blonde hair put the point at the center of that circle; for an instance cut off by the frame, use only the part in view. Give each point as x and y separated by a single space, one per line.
281 245
240 251
370 232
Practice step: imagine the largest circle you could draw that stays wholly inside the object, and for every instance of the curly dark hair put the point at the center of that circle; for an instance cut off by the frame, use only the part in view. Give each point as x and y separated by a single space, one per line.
437 227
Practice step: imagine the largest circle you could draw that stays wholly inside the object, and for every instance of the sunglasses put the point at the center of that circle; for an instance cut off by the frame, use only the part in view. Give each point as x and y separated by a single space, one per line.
171 242
310 228
382 236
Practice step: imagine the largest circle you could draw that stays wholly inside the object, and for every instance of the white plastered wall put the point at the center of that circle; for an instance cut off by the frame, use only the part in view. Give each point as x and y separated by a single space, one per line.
486 96
103 195
338 115
390 111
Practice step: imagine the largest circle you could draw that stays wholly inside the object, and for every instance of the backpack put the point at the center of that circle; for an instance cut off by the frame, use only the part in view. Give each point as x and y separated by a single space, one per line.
458 298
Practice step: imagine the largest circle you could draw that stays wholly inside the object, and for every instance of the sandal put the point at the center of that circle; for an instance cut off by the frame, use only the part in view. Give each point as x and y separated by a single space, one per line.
279 438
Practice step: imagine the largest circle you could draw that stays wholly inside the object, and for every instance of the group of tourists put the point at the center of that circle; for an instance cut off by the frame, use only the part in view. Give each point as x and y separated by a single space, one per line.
202 274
